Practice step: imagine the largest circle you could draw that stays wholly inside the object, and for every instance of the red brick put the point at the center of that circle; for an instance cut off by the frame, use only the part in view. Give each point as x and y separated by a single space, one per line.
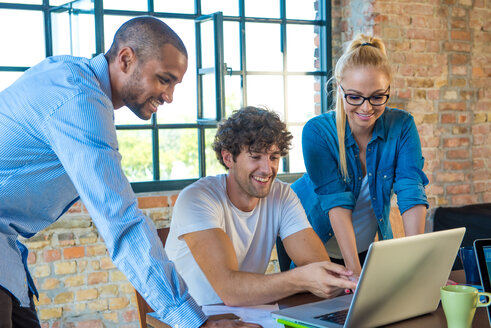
66 239
459 189
448 118
152 202
173 199
478 163
449 177
459 70
73 252
459 59
89 324
460 35
452 106
455 142
76 208
130 316
31 258
457 46
51 255
464 199
456 165
97 278
480 187
481 129
458 154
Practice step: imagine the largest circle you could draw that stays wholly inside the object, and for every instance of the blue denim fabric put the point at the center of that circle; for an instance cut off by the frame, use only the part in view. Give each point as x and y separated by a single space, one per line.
394 164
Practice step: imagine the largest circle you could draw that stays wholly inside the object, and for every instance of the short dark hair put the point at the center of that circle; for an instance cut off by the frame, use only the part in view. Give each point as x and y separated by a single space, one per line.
254 129
146 35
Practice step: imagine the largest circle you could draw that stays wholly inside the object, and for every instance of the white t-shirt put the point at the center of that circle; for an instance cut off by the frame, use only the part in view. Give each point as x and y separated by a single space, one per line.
205 205
364 224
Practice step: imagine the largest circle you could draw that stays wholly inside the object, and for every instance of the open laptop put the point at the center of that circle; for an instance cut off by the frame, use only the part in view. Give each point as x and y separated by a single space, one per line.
482 249
401 279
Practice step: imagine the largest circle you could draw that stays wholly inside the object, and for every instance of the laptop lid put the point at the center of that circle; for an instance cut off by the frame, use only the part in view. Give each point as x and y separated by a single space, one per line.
482 248
401 279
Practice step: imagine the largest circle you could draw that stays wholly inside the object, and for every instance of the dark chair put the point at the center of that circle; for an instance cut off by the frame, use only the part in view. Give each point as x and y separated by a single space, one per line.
475 218
283 257
143 307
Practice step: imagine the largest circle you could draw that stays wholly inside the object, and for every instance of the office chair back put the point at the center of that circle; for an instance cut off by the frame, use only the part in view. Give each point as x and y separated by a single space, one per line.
143 307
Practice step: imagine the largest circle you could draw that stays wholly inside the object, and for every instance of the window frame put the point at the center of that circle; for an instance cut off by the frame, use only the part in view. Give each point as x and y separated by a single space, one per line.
325 61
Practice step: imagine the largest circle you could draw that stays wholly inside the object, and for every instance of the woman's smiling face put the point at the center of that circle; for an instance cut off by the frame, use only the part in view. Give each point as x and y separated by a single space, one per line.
366 82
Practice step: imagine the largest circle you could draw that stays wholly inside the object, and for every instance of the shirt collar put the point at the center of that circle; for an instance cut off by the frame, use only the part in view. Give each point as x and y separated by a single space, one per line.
101 70
378 131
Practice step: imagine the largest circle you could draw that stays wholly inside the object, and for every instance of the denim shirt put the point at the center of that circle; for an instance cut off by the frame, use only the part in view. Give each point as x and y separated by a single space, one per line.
394 164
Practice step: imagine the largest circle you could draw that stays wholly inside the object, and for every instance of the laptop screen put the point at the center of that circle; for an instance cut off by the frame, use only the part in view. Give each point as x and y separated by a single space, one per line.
487 258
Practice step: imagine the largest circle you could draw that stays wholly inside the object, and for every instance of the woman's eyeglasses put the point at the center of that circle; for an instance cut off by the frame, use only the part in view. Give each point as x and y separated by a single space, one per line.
375 100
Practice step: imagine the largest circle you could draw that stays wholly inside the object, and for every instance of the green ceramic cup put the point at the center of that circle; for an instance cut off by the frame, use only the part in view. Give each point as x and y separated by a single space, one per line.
459 304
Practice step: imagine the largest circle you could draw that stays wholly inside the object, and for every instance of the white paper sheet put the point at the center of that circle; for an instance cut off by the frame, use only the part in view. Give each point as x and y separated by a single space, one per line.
260 314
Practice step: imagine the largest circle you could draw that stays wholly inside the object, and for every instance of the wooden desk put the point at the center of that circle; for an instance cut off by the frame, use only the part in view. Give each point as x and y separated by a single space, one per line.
434 320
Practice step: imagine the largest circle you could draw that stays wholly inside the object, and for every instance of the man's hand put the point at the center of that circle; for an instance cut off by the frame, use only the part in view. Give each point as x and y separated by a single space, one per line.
325 279
229 324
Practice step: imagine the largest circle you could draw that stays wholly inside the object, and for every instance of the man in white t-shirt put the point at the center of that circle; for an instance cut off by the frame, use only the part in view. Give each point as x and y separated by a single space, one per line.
224 227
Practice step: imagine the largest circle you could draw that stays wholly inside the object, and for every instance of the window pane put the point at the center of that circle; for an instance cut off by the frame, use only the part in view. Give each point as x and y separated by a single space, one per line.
231 44
302 97
183 107
209 96
7 78
233 94
213 166
304 9
57 2
301 47
296 157
74 32
207 44
28 2
111 25
124 115
178 154
227 7
126 4
261 8
24 44
181 6
263 47
266 90
136 148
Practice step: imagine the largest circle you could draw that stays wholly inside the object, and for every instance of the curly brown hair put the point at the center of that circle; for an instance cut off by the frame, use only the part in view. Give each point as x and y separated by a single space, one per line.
253 129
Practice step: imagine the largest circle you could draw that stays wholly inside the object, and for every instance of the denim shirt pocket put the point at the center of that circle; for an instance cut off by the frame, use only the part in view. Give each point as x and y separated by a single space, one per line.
385 183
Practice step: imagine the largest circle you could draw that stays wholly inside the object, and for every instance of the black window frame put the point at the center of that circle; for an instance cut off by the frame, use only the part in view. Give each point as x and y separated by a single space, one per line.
201 124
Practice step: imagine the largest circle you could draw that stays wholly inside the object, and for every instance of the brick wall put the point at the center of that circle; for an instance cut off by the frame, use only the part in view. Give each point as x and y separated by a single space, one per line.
441 55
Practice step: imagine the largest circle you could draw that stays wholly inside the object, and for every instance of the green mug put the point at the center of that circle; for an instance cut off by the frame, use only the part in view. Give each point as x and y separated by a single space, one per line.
459 304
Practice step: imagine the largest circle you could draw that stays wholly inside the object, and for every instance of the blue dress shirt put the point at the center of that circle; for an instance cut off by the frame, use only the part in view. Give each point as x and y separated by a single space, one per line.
58 144
394 164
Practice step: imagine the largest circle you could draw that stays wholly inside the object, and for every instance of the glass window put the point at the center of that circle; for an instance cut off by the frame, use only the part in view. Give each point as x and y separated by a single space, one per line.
302 43
183 107
136 148
304 9
141 5
227 7
7 78
302 97
261 8
263 47
180 6
178 154
26 45
267 91
169 142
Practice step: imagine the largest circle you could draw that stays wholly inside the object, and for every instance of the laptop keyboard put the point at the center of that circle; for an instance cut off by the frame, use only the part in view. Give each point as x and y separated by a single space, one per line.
338 317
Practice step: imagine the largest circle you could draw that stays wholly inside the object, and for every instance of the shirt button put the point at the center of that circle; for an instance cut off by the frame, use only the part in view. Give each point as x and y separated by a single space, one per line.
369 149
369 174
385 177
330 234
380 220
374 198
359 178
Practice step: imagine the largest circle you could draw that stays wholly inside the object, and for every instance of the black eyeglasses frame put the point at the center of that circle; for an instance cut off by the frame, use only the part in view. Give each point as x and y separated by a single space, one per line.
346 95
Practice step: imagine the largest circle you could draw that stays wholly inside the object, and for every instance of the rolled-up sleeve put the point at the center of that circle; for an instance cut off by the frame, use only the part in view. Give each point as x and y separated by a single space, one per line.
410 179
320 151
81 132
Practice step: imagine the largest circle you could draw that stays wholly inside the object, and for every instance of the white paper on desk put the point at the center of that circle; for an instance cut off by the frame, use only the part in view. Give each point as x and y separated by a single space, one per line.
260 314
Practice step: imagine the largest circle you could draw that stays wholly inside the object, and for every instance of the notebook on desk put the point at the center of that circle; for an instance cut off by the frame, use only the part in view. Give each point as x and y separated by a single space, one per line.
401 279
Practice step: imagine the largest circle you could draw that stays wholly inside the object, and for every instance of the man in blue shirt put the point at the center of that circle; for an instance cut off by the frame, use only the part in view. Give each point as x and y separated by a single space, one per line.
58 145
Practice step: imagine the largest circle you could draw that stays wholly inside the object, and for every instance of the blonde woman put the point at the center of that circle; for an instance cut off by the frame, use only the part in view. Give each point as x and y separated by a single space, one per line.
357 156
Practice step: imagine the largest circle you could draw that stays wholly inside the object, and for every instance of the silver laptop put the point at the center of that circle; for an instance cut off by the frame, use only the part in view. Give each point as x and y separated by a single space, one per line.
401 279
